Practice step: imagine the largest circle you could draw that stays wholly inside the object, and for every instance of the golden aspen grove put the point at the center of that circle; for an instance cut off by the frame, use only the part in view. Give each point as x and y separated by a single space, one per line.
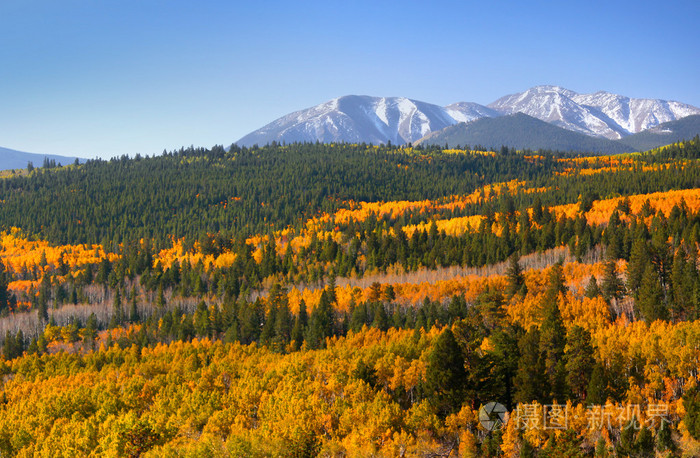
373 301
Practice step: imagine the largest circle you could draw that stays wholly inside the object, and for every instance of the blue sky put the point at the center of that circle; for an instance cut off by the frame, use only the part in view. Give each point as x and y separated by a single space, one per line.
111 77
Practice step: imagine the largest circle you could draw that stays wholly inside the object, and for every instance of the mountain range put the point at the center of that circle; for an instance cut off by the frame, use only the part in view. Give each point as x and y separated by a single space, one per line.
521 131
356 119
13 159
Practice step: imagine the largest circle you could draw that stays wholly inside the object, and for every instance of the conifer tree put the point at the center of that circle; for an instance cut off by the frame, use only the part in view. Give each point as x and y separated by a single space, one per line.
445 376
579 361
639 259
133 311
300 323
530 382
650 303
4 292
553 337
514 277
592 289
321 322
597 389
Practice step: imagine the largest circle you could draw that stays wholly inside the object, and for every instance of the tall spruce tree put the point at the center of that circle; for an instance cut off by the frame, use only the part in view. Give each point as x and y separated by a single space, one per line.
515 281
579 361
650 303
530 382
445 376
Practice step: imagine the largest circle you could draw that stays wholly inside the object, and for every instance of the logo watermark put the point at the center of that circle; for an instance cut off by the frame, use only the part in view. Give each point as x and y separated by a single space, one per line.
494 416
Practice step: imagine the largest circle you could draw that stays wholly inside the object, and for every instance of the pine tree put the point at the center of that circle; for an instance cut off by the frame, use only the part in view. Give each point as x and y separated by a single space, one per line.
515 281
601 448
552 338
117 306
579 361
664 438
321 322
639 258
644 443
201 320
530 382
4 292
42 309
691 403
597 389
283 324
592 289
445 376
612 288
650 303
682 286
267 333
300 323
160 301
381 319
134 311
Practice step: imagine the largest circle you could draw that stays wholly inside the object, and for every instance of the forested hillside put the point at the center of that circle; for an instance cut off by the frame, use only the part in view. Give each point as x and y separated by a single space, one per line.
352 300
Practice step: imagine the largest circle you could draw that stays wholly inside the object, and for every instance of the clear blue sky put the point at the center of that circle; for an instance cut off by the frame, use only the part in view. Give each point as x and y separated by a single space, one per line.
110 77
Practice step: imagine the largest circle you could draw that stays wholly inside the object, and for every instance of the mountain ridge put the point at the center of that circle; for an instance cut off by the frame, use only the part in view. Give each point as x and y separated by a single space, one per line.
400 120
521 131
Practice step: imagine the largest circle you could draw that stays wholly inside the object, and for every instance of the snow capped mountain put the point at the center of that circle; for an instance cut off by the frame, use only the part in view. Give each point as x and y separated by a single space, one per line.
357 119
601 114
360 119
469 111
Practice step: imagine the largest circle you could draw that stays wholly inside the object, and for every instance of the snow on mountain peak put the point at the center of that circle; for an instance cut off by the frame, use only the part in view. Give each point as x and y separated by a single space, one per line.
601 114
357 118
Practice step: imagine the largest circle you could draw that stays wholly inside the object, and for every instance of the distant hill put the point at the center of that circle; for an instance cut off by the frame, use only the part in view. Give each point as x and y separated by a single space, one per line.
664 134
13 159
522 132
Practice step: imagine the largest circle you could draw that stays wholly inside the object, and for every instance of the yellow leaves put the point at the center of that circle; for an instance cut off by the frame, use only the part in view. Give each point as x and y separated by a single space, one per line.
166 257
452 226
587 313
602 209
18 253
525 312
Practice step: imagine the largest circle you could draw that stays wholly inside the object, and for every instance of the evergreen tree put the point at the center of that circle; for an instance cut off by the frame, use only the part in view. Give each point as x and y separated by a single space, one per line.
592 289
515 281
201 320
601 448
504 364
597 389
664 438
283 323
553 340
530 382
160 301
321 322
613 288
650 302
4 292
639 259
134 311
42 308
300 323
644 443
691 403
445 376
683 281
117 307
579 361
381 319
